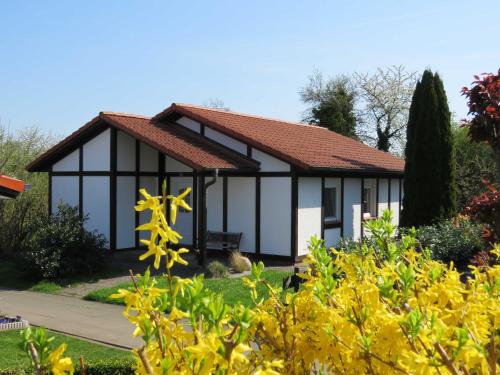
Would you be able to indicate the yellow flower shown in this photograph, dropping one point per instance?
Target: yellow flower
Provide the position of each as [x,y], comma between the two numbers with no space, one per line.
[175,257]
[149,203]
[153,249]
[60,366]
[175,202]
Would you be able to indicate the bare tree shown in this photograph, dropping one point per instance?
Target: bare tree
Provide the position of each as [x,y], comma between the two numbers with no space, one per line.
[385,102]
[216,104]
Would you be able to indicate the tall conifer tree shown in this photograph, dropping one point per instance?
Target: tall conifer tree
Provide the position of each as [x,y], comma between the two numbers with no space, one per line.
[429,185]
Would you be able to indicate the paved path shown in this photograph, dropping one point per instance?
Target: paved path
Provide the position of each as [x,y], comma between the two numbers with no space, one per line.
[90,320]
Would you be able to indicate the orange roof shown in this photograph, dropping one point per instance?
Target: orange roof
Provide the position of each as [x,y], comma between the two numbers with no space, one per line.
[307,146]
[10,187]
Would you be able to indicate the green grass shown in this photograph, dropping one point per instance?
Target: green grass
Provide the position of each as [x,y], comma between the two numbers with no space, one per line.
[13,355]
[232,288]
[14,278]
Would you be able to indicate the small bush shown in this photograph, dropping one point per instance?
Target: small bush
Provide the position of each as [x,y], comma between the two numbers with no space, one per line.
[99,367]
[238,262]
[217,270]
[452,240]
[108,367]
[58,246]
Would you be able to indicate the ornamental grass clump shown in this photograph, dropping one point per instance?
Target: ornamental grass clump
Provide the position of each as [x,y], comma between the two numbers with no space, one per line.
[386,309]
[238,262]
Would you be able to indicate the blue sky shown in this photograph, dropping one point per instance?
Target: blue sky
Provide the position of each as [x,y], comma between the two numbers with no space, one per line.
[62,62]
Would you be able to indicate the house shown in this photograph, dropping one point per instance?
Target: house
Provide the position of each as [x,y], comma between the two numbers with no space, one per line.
[277,182]
[10,187]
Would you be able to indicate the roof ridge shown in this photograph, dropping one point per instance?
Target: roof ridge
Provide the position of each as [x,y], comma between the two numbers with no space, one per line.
[247,115]
[123,114]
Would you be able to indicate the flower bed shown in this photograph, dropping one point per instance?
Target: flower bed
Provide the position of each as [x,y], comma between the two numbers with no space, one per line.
[8,323]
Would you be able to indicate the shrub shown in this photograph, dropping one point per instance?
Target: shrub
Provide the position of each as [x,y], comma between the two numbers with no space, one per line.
[58,246]
[454,241]
[108,367]
[217,270]
[238,262]
[390,311]
[17,149]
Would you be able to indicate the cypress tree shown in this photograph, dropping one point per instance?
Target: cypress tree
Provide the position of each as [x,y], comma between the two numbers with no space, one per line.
[448,185]
[429,190]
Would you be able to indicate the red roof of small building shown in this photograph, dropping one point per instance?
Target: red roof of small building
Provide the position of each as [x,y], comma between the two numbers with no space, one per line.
[10,187]
[307,146]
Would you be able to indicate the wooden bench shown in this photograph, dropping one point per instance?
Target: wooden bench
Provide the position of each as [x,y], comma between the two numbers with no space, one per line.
[223,240]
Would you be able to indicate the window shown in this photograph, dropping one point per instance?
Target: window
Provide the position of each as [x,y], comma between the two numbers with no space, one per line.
[369,202]
[330,203]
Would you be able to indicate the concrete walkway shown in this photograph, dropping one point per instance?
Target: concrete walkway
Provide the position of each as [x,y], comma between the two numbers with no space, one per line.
[90,320]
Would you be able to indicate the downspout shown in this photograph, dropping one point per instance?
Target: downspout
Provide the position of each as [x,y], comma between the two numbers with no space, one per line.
[202,206]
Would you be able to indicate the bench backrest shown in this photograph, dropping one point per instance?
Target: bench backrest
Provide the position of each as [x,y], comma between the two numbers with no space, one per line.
[231,237]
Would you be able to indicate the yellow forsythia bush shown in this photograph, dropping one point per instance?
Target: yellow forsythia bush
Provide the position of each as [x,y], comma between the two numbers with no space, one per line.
[385,309]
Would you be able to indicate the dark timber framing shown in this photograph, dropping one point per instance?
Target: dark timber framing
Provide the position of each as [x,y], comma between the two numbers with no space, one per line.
[197,185]
[399,201]
[137,185]
[377,182]
[323,207]
[389,193]
[362,229]
[342,207]
[224,204]
[295,215]
[198,180]
[112,189]
[80,182]
[257,215]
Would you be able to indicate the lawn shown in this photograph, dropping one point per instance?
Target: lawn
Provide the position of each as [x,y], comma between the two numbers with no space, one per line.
[232,288]
[13,355]
[14,278]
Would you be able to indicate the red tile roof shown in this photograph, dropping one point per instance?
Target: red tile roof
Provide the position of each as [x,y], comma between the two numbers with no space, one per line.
[172,139]
[182,144]
[307,146]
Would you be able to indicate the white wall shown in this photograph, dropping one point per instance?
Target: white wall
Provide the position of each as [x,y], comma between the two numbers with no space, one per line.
[225,140]
[241,210]
[149,158]
[184,224]
[395,200]
[382,195]
[125,151]
[96,153]
[190,124]
[69,163]
[96,203]
[275,215]
[214,205]
[332,237]
[309,215]
[269,163]
[65,189]
[352,208]
[172,165]
[125,213]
